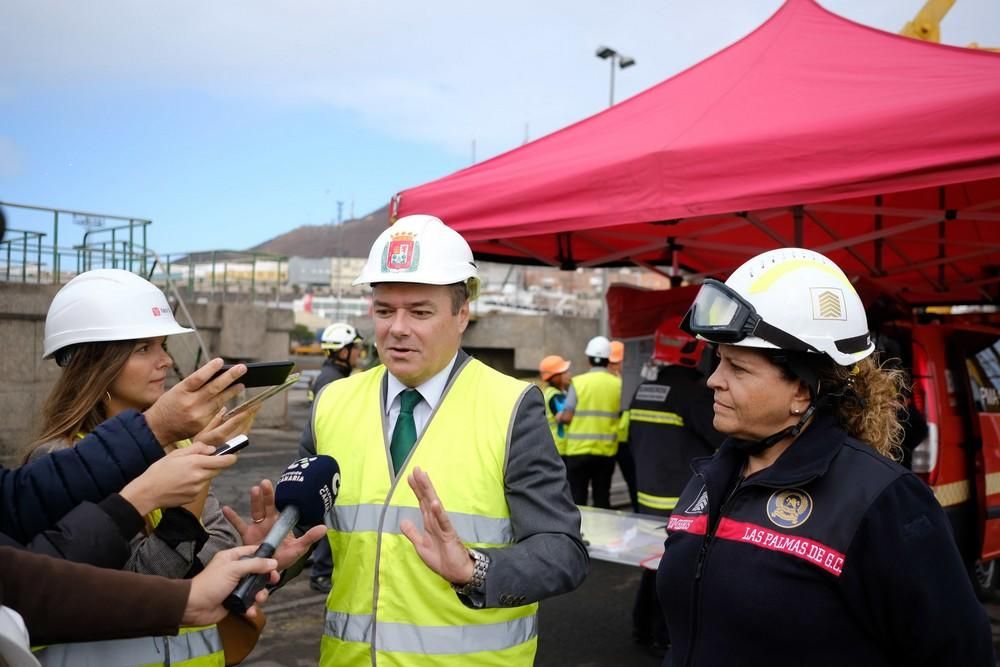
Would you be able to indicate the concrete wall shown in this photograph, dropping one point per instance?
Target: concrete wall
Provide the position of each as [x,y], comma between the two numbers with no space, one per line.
[531,338]
[238,332]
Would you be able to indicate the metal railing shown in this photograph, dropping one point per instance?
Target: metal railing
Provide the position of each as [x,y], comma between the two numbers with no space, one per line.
[218,275]
[17,248]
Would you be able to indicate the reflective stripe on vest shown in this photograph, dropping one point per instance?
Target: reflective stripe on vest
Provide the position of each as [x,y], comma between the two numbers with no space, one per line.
[594,428]
[390,607]
[472,528]
[656,417]
[192,647]
[656,502]
[547,393]
[440,640]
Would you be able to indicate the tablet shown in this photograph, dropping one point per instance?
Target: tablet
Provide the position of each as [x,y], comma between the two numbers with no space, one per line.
[261,373]
[257,399]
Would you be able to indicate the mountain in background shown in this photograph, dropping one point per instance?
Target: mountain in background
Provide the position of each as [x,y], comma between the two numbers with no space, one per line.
[355,237]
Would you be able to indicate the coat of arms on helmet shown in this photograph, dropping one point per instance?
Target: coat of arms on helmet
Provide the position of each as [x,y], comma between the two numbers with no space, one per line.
[402,253]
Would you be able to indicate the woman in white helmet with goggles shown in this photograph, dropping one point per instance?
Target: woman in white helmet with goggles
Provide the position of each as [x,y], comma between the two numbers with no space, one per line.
[801,540]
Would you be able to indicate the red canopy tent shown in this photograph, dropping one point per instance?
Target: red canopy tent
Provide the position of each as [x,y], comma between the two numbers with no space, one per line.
[880,151]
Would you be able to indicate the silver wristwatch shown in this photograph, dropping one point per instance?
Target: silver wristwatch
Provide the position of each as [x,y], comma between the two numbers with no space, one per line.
[480,563]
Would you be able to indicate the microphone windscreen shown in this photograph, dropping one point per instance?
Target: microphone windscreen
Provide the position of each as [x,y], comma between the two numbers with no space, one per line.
[311,485]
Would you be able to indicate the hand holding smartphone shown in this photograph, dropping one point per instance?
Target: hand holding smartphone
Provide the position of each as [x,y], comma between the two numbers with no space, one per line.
[262,396]
[232,445]
[261,373]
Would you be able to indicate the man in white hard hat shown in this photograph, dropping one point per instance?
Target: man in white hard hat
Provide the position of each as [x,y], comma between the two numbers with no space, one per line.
[454,568]
[341,343]
[592,410]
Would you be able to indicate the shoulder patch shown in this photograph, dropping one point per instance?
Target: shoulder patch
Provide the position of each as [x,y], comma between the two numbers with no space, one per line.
[700,504]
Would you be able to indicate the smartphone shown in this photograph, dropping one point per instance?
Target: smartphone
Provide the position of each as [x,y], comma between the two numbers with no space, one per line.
[263,396]
[232,445]
[261,373]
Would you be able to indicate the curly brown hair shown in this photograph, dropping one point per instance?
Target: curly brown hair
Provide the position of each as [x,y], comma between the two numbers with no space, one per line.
[869,398]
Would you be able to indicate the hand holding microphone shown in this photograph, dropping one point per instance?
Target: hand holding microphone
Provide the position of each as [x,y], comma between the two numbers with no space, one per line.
[305,493]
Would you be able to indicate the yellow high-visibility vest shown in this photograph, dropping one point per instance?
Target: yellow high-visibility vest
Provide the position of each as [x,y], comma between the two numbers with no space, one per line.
[548,392]
[594,429]
[386,606]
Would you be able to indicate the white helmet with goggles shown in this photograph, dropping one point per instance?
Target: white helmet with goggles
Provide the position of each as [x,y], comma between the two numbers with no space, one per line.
[787,299]
[338,336]
[421,249]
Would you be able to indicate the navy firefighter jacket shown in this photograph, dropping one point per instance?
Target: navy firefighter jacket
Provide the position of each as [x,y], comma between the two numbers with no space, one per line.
[834,555]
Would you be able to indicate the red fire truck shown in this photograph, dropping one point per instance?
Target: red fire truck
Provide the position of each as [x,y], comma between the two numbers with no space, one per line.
[955,365]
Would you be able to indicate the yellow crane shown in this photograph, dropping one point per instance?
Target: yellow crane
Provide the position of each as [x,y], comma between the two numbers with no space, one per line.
[926,25]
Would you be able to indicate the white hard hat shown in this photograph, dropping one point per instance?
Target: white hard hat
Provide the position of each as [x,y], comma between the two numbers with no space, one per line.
[421,249]
[338,336]
[599,347]
[107,305]
[787,299]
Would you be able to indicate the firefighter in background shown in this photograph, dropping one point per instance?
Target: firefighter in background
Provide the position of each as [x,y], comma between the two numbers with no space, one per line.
[341,343]
[554,372]
[670,423]
[592,410]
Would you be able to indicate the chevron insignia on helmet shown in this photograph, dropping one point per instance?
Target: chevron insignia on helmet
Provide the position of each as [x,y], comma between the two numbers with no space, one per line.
[828,303]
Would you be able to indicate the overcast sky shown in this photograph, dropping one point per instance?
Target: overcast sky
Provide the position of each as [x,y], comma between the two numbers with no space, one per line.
[228,122]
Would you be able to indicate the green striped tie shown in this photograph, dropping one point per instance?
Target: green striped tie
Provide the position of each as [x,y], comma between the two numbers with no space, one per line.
[405,432]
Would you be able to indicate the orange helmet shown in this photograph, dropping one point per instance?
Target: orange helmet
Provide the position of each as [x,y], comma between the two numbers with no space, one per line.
[673,345]
[552,365]
[617,352]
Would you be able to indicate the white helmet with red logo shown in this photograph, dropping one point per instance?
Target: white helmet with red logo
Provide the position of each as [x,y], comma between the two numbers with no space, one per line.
[421,249]
[105,305]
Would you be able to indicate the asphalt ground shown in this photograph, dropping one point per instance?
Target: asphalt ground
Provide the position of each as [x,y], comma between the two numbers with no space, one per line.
[590,627]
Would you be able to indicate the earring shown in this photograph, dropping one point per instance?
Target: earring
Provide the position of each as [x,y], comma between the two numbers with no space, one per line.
[108,394]
[795,411]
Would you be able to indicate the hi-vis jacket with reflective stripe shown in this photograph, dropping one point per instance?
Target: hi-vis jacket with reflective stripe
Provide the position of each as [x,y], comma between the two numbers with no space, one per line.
[594,428]
[833,555]
[386,606]
[192,647]
[548,393]
[670,423]
[196,646]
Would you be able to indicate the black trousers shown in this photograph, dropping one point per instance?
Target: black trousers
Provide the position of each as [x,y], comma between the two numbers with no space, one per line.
[648,622]
[627,465]
[590,472]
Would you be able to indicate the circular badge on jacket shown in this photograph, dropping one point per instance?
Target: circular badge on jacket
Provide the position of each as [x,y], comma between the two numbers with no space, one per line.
[789,508]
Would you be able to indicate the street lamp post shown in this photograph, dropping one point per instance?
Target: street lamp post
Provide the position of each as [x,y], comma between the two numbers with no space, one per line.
[623,61]
[615,58]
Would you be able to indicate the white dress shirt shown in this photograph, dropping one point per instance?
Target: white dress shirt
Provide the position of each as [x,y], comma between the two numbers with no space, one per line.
[430,391]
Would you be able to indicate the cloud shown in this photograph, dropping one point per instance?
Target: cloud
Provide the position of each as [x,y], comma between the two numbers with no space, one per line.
[440,71]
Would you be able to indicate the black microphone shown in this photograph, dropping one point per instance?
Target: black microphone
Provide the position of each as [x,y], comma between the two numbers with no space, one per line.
[305,493]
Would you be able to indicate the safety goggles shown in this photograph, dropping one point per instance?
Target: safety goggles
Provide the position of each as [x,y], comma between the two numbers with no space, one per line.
[720,315]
